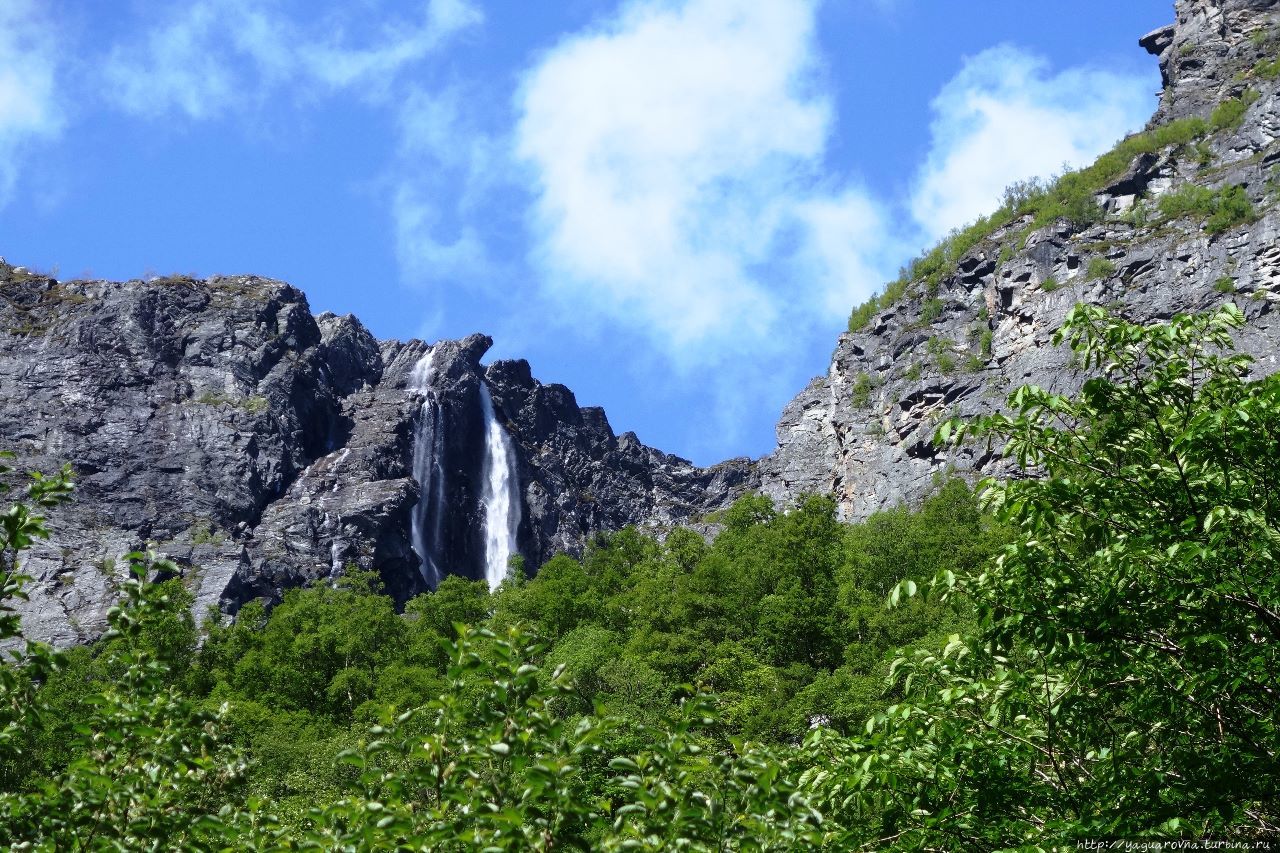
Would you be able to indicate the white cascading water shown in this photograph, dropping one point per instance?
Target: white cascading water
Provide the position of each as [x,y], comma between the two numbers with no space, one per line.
[428,470]
[501,499]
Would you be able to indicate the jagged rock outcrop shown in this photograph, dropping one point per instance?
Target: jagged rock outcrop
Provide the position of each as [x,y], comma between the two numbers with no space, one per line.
[261,447]
[863,430]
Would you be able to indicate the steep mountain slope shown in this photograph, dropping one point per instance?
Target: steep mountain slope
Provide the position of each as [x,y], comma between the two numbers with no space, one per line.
[219,422]
[975,321]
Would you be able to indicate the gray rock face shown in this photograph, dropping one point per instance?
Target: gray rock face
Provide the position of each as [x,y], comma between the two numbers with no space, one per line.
[261,447]
[1202,51]
[863,430]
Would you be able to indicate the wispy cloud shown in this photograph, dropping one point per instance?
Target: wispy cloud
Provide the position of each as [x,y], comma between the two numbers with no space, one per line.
[210,56]
[1007,117]
[29,108]
[445,170]
[677,156]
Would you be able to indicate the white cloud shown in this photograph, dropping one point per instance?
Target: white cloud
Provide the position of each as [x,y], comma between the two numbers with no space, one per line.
[215,55]
[446,169]
[1005,117]
[29,108]
[676,154]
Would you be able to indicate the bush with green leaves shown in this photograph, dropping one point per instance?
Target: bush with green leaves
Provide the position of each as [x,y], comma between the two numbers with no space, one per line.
[863,385]
[1122,678]
[1229,114]
[147,769]
[1221,209]
[29,664]
[1232,208]
[1099,268]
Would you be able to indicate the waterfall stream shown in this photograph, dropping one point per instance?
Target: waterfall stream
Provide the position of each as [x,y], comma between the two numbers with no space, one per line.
[501,498]
[428,469]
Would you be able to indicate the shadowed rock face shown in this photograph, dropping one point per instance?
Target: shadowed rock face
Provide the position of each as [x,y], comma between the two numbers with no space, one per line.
[261,447]
[871,446]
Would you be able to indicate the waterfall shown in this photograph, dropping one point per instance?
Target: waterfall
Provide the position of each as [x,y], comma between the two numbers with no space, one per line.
[427,523]
[501,499]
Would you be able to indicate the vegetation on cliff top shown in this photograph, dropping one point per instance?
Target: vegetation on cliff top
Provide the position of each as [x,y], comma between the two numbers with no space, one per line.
[1069,197]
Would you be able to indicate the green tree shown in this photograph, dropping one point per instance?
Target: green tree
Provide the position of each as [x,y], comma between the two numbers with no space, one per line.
[1123,677]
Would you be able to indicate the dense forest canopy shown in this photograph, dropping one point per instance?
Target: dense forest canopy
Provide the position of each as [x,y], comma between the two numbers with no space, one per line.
[1091,652]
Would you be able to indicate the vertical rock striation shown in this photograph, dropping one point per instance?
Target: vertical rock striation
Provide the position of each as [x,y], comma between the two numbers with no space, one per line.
[262,447]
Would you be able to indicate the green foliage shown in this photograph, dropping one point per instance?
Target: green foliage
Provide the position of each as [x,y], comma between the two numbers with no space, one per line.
[1204,154]
[1267,69]
[1175,133]
[1225,284]
[1230,113]
[1049,285]
[863,313]
[862,388]
[1187,200]
[1098,268]
[913,372]
[1093,652]
[1119,680]
[930,311]
[148,766]
[1232,208]
[207,534]
[1069,197]
[1222,209]
[985,342]
[940,348]
[29,663]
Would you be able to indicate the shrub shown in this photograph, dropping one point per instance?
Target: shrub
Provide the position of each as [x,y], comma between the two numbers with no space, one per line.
[984,343]
[1187,200]
[1229,113]
[1072,199]
[1225,284]
[1267,69]
[1232,207]
[861,315]
[1049,285]
[1204,154]
[940,349]
[930,311]
[1070,196]
[913,372]
[1178,132]
[1099,268]
[1125,634]
[862,387]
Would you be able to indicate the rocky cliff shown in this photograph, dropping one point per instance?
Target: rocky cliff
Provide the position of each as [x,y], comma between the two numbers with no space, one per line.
[262,447]
[957,341]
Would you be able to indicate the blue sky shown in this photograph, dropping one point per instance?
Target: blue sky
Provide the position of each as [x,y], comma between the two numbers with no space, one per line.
[668,205]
